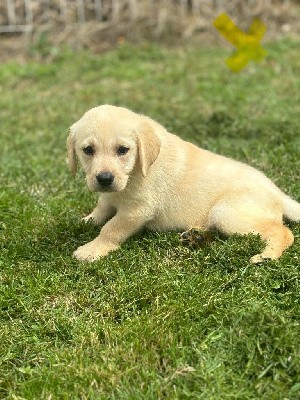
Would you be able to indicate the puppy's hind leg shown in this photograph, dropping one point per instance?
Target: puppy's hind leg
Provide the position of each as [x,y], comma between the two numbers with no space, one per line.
[278,238]
[242,219]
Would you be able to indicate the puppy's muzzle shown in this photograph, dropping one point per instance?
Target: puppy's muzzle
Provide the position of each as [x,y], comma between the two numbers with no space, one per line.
[105,179]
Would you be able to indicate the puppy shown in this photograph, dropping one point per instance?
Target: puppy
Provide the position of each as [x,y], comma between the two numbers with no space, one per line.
[151,178]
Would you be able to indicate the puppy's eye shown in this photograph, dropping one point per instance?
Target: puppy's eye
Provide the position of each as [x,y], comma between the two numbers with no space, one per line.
[88,150]
[122,150]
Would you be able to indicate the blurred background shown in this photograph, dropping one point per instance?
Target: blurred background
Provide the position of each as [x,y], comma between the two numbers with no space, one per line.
[35,28]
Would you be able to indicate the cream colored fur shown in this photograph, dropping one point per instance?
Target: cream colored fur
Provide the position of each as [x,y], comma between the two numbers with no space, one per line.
[165,183]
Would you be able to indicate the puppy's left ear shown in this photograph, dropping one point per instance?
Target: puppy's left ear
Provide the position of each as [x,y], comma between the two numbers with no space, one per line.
[148,146]
[71,155]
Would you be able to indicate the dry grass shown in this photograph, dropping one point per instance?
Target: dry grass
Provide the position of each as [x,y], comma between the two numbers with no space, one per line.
[171,21]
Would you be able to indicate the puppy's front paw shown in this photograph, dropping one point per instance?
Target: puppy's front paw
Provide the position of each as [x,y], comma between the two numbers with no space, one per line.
[86,253]
[89,219]
[260,258]
[93,251]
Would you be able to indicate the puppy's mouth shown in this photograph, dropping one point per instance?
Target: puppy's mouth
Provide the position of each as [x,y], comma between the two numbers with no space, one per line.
[106,189]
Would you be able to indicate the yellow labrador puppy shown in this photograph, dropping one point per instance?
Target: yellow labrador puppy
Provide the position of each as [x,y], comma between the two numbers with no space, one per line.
[151,178]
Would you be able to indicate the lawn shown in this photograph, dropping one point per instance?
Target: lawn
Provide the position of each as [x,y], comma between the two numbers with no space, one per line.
[154,320]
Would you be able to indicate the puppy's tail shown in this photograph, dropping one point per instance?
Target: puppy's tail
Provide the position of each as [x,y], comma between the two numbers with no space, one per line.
[291,209]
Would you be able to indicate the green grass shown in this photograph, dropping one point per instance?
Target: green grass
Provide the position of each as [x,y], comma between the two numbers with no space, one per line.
[154,320]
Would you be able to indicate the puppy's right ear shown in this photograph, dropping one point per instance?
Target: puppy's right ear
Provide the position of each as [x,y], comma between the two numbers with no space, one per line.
[71,155]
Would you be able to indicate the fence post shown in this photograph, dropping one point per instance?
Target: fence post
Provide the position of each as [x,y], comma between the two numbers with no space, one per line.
[98,10]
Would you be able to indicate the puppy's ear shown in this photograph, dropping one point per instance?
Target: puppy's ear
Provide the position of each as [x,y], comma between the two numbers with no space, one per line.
[71,155]
[149,147]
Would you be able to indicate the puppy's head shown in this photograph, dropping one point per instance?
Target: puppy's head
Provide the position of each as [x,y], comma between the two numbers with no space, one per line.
[112,144]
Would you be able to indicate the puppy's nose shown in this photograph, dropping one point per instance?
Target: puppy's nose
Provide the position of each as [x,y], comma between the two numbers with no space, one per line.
[105,179]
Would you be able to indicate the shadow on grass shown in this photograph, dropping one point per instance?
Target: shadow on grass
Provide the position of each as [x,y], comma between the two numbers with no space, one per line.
[221,124]
[55,241]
